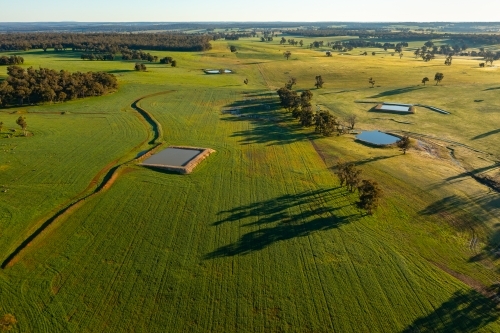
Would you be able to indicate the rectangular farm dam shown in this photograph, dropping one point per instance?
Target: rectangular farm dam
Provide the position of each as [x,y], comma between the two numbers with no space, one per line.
[173,156]
[178,159]
[393,107]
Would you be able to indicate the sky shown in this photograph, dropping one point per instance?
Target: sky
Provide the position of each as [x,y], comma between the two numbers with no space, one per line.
[254,10]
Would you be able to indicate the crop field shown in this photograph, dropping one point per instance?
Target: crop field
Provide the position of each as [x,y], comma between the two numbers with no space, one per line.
[260,237]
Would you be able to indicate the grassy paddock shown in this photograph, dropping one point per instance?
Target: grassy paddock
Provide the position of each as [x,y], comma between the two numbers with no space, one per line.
[260,237]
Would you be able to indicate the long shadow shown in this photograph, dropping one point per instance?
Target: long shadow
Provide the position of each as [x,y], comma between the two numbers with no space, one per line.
[459,211]
[396,91]
[273,207]
[473,173]
[262,238]
[488,89]
[276,221]
[61,54]
[480,136]
[269,132]
[470,215]
[372,159]
[463,312]
[120,71]
[262,112]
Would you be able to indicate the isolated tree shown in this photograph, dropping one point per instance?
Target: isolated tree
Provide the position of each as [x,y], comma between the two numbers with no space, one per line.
[481,64]
[291,82]
[373,53]
[425,79]
[1,126]
[301,43]
[351,120]
[245,81]
[325,122]
[7,321]
[352,175]
[328,53]
[417,53]
[232,48]
[21,121]
[319,82]
[173,63]
[371,81]
[404,144]
[438,77]
[341,172]
[400,55]
[369,195]
[287,54]
[448,60]
[140,67]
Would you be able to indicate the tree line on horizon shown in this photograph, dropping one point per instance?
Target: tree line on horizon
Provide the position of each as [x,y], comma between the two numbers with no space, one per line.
[104,42]
[47,85]
[386,34]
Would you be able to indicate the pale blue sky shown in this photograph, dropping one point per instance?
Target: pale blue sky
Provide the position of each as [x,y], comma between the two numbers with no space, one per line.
[254,10]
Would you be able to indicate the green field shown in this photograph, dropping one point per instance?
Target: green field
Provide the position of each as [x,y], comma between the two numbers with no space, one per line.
[261,237]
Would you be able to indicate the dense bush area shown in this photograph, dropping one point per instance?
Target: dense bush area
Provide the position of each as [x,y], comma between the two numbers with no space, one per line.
[12,60]
[47,85]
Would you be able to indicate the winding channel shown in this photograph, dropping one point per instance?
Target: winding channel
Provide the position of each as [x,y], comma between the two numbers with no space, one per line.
[110,172]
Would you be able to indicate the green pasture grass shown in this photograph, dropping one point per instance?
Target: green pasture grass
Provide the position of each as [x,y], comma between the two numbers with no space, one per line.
[41,172]
[260,237]
[223,244]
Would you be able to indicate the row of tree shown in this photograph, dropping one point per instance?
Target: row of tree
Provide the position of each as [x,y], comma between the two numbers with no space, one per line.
[428,50]
[97,56]
[404,35]
[12,60]
[128,54]
[105,42]
[300,106]
[47,85]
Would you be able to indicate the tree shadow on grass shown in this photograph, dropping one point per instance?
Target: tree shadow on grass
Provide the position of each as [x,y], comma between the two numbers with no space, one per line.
[473,173]
[264,237]
[460,212]
[494,88]
[463,312]
[372,159]
[262,109]
[396,91]
[281,219]
[116,71]
[275,208]
[480,136]
[268,131]
[476,216]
